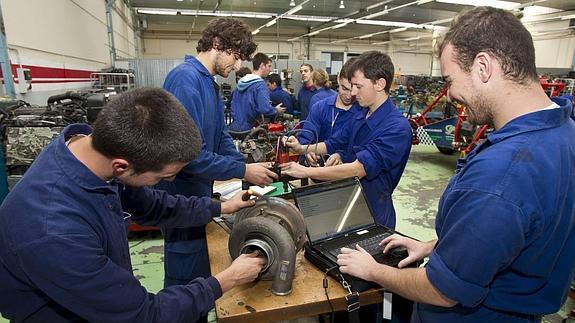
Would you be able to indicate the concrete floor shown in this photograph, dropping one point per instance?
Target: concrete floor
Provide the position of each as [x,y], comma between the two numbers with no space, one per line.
[415,200]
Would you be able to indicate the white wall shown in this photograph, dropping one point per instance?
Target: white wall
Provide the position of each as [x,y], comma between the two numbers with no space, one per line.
[63,41]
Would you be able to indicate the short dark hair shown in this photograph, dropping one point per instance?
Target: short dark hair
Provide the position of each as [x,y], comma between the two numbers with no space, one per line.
[243,71]
[275,79]
[497,32]
[149,128]
[375,65]
[347,69]
[260,58]
[230,35]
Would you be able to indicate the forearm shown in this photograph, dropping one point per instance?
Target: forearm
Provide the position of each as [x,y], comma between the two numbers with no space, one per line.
[318,148]
[354,169]
[411,283]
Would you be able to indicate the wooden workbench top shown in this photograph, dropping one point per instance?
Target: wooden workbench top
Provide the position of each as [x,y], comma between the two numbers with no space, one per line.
[256,303]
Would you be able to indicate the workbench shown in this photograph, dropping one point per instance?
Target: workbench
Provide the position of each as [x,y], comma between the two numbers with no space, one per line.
[255,302]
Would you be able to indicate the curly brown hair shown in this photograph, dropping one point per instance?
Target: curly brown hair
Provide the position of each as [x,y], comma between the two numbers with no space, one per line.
[230,35]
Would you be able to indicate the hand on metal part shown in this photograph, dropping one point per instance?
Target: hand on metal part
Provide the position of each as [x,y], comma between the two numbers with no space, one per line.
[312,158]
[356,262]
[294,169]
[238,202]
[293,144]
[258,174]
[280,109]
[333,160]
[244,269]
[416,249]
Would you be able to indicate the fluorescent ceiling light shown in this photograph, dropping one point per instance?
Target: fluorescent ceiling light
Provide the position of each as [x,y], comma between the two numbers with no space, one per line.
[343,24]
[382,42]
[294,10]
[567,17]
[158,12]
[270,23]
[255,31]
[308,18]
[292,3]
[398,30]
[507,5]
[420,2]
[341,5]
[314,33]
[339,41]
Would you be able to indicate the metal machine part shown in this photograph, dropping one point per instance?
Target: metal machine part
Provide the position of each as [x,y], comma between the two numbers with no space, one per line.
[274,228]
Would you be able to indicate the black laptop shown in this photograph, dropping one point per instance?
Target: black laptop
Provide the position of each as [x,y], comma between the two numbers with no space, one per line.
[338,215]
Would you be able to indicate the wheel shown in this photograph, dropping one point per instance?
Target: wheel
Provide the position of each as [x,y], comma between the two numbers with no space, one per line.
[445,150]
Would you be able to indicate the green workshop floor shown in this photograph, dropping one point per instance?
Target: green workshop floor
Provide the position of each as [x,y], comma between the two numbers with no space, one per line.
[415,200]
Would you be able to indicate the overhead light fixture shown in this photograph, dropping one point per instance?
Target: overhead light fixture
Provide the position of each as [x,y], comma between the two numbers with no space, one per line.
[343,24]
[270,23]
[568,17]
[293,10]
[314,33]
[341,5]
[255,31]
[292,3]
[398,30]
[507,5]
[420,2]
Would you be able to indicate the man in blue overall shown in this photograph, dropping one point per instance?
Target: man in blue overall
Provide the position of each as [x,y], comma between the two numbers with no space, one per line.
[252,98]
[306,91]
[374,147]
[221,48]
[328,118]
[64,253]
[278,94]
[506,221]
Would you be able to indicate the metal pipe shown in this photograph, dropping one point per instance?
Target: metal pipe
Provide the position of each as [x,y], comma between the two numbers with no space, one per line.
[5,61]
[109,10]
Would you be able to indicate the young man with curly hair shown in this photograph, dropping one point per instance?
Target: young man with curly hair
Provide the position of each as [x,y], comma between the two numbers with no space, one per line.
[224,43]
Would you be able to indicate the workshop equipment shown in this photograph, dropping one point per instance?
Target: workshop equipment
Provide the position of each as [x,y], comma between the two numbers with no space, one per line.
[273,228]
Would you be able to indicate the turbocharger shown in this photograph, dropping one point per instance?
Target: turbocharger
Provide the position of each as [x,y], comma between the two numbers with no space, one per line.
[274,228]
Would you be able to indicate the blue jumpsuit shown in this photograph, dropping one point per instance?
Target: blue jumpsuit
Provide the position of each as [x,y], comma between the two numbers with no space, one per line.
[381,143]
[303,98]
[506,225]
[64,249]
[278,95]
[319,95]
[185,249]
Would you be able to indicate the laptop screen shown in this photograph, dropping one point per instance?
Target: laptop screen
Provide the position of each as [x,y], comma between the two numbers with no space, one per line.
[333,207]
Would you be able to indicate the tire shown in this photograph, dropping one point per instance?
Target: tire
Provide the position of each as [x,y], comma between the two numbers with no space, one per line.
[446,151]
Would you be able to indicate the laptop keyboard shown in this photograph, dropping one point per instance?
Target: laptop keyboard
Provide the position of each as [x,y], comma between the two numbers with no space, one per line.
[371,245]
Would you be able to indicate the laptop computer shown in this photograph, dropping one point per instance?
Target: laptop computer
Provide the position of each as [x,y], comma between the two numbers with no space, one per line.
[338,215]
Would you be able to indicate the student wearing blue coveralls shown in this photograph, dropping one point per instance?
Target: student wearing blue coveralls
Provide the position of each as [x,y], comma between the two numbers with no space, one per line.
[64,253]
[252,98]
[322,85]
[306,91]
[243,71]
[192,82]
[329,117]
[506,221]
[278,94]
[376,144]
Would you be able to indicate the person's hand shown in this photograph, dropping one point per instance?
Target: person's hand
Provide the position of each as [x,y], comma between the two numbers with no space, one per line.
[312,158]
[244,269]
[258,174]
[294,169]
[356,262]
[236,202]
[416,250]
[293,144]
[280,109]
[333,160]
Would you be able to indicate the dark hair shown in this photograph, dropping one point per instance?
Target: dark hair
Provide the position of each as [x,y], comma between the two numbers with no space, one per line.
[243,71]
[149,128]
[228,34]
[497,32]
[260,58]
[308,65]
[321,78]
[274,78]
[375,65]
[347,69]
